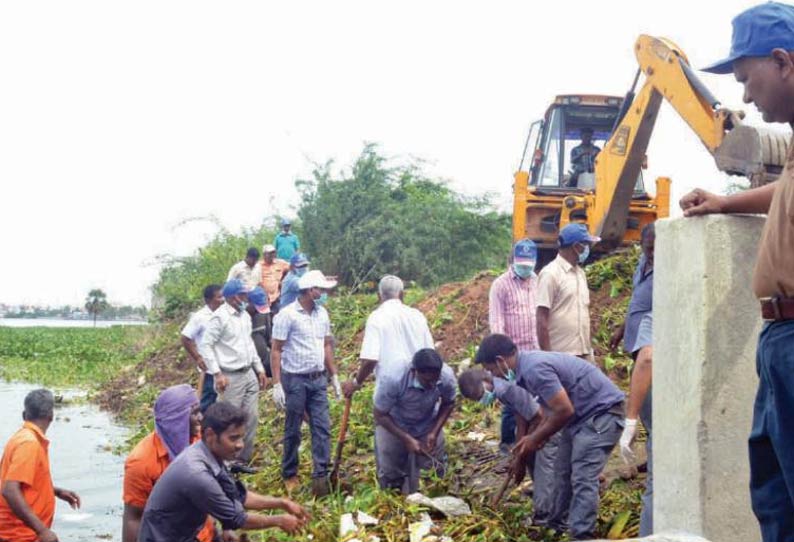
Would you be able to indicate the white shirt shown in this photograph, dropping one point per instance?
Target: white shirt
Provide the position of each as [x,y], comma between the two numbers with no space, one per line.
[393,334]
[304,335]
[251,276]
[227,344]
[194,329]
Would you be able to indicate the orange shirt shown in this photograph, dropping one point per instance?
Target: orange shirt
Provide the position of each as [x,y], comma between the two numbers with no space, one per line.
[271,277]
[143,467]
[26,460]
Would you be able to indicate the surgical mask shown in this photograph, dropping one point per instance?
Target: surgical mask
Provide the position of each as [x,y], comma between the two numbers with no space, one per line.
[416,384]
[300,271]
[523,270]
[243,306]
[509,374]
[487,398]
[322,300]
[584,254]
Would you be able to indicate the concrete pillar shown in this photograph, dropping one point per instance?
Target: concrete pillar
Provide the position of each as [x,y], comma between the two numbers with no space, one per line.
[706,324]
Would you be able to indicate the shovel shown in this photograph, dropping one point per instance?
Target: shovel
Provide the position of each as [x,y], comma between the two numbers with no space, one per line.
[340,443]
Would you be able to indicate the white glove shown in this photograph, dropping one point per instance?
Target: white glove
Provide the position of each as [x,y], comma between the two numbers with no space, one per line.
[337,387]
[625,441]
[278,396]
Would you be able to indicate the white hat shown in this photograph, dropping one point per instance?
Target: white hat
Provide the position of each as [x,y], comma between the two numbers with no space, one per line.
[315,279]
[268,248]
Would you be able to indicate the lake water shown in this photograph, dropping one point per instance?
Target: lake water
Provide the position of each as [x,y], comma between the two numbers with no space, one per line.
[81,438]
[57,322]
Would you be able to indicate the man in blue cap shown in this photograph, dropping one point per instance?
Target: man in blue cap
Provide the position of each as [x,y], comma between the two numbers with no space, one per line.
[287,243]
[511,311]
[298,265]
[230,355]
[762,59]
[563,314]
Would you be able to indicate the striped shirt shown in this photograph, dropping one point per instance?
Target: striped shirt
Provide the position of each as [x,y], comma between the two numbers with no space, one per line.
[304,335]
[511,309]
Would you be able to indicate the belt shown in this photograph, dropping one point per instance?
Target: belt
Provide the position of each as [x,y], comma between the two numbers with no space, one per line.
[618,408]
[307,376]
[234,371]
[777,308]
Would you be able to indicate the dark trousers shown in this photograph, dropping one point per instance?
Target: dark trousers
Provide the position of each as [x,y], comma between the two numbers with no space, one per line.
[508,425]
[208,395]
[306,395]
[771,443]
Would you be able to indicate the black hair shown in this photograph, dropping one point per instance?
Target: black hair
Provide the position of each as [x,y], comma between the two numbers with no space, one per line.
[39,405]
[252,253]
[210,291]
[427,360]
[470,383]
[647,232]
[493,346]
[221,416]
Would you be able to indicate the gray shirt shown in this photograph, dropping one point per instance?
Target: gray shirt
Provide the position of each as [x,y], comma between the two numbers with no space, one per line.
[516,398]
[544,374]
[413,408]
[192,487]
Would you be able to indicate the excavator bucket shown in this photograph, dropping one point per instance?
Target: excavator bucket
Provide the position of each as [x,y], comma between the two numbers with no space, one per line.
[756,153]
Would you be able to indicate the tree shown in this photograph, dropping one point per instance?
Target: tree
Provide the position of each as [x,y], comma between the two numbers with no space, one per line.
[96,302]
[380,219]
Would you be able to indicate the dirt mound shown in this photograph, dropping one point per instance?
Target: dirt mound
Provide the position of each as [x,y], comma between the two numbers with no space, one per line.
[164,367]
[458,315]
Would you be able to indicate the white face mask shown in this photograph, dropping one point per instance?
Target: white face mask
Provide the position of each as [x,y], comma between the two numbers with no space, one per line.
[584,254]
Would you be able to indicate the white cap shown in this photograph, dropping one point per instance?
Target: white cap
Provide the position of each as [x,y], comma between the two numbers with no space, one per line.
[315,279]
[268,248]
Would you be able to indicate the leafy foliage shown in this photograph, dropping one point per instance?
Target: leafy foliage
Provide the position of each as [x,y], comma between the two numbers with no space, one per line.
[383,218]
[96,302]
[180,286]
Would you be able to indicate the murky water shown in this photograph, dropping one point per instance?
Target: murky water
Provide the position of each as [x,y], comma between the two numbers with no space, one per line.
[81,438]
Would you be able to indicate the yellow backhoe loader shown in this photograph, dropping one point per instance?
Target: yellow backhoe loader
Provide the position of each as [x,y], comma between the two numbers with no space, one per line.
[583,161]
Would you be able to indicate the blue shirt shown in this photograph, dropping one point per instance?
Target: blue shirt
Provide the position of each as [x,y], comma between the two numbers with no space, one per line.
[641,303]
[516,397]
[544,374]
[286,245]
[194,485]
[289,289]
[413,408]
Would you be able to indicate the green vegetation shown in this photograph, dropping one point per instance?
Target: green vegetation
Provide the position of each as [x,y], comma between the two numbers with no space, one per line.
[69,356]
[381,218]
[96,302]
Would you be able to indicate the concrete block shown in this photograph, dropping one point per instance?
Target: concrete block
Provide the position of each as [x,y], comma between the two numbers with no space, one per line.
[706,325]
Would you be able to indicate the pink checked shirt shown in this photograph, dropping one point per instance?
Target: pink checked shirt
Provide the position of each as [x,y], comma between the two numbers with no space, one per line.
[511,309]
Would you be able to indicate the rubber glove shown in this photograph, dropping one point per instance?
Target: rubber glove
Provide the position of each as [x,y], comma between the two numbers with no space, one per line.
[278,396]
[337,387]
[625,441]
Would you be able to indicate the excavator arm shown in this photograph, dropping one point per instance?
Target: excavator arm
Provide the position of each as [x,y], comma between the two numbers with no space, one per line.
[737,148]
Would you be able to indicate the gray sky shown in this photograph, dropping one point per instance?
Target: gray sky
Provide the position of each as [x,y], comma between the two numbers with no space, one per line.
[119,120]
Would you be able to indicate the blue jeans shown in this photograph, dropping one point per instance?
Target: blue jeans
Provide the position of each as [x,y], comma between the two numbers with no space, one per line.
[508,425]
[306,395]
[208,395]
[772,436]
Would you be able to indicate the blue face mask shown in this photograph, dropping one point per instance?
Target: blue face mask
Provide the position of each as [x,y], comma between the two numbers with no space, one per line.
[487,398]
[523,270]
[509,374]
[322,300]
[300,271]
[584,254]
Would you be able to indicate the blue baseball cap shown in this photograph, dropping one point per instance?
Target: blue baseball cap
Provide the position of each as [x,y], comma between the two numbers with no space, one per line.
[756,32]
[233,287]
[299,259]
[285,222]
[258,298]
[525,252]
[576,233]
